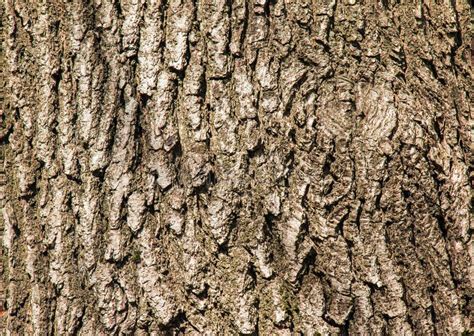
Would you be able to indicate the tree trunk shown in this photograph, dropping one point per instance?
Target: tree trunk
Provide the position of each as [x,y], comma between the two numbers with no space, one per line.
[271,167]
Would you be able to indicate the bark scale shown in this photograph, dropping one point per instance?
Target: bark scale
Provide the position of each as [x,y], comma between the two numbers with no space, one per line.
[222,167]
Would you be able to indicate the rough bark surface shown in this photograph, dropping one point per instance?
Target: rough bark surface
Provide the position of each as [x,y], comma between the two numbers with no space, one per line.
[213,167]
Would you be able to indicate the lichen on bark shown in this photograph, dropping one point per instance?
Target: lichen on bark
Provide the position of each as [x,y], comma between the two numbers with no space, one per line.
[268,167]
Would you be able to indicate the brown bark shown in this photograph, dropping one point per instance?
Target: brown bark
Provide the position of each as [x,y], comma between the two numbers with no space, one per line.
[270,167]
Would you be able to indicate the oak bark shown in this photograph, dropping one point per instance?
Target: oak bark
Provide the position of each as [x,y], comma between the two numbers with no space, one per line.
[271,167]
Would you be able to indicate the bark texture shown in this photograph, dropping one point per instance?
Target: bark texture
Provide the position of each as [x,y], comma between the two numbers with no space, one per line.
[213,167]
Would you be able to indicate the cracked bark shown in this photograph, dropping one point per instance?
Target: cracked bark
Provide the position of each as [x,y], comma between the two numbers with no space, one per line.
[223,167]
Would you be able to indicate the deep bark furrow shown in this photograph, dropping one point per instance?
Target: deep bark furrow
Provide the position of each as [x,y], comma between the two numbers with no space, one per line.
[225,167]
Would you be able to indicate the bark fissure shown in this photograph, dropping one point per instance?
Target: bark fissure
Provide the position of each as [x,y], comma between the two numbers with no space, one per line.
[235,167]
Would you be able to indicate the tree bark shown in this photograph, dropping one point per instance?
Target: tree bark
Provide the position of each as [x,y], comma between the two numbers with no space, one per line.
[270,167]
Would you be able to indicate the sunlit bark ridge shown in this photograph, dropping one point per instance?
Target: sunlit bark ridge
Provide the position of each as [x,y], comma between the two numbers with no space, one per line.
[270,167]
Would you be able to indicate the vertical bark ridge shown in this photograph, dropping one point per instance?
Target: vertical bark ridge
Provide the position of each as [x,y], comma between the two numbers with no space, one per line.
[224,167]
[5,123]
